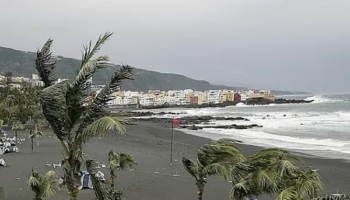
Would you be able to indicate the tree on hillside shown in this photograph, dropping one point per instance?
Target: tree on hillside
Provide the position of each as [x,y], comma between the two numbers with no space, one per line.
[65,106]
[273,171]
[8,76]
[119,160]
[43,186]
[213,158]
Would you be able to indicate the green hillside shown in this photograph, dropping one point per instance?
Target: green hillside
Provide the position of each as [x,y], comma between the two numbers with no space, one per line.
[21,63]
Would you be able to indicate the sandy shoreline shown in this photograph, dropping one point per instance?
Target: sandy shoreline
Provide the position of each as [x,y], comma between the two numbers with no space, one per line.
[150,145]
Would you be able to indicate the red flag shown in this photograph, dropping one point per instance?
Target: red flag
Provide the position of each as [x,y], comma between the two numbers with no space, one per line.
[176,122]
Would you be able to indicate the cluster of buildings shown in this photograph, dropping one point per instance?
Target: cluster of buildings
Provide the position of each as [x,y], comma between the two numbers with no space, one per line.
[159,98]
[185,97]
[17,82]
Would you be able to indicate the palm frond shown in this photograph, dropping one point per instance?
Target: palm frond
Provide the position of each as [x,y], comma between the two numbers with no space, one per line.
[33,182]
[97,108]
[114,160]
[308,183]
[124,73]
[191,167]
[126,160]
[288,194]
[240,190]
[285,167]
[45,64]
[217,169]
[49,175]
[263,180]
[43,186]
[240,170]
[275,153]
[53,101]
[50,188]
[120,160]
[215,153]
[100,127]
[89,51]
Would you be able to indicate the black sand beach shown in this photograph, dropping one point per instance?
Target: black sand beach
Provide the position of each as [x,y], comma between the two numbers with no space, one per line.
[149,143]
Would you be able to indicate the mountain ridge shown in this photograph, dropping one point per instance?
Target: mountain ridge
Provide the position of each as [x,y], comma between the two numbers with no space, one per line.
[21,63]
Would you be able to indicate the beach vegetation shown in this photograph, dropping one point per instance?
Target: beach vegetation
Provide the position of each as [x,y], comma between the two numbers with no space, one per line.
[275,172]
[43,186]
[19,105]
[119,161]
[72,115]
[101,192]
[214,158]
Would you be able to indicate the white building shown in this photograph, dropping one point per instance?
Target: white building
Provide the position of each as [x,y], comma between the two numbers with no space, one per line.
[123,101]
[213,96]
[244,97]
[147,100]
[37,83]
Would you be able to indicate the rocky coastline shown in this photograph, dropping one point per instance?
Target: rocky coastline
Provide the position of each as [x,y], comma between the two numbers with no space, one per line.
[188,122]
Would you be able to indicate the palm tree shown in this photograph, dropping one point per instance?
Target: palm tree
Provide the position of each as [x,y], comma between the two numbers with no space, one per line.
[298,185]
[273,171]
[119,160]
[101,192]
[36,134]
[16,127]
[213,158]
[43,186]
[65,106]
[2,193]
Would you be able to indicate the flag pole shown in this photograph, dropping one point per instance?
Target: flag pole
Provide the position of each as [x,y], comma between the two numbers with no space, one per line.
[172,142]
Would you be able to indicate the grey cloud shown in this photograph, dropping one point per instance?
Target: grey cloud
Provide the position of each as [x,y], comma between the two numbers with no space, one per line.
[294,45]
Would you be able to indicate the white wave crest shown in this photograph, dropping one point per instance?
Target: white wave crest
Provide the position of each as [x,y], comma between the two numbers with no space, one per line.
[322,99]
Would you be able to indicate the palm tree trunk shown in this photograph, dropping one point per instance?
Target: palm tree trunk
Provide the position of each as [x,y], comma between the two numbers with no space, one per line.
[31,138]
[37,198]
[16,137]
[112,178]
[200,189]
[72,177]
[74,194]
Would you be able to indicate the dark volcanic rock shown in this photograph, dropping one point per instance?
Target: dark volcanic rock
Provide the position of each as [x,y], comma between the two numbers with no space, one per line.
[264,101]
[189,120]
[233,126]
[148,113]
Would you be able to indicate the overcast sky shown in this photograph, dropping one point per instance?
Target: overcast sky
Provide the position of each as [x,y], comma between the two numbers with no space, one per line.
[279,44]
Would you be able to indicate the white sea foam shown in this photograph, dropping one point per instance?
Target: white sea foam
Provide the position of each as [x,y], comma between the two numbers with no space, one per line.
[323,99]
[320,128]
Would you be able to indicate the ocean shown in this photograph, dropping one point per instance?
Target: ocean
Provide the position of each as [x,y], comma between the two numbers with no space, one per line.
[321,128]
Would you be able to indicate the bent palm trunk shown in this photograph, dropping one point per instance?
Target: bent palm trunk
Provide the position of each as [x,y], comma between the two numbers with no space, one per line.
[200,189]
